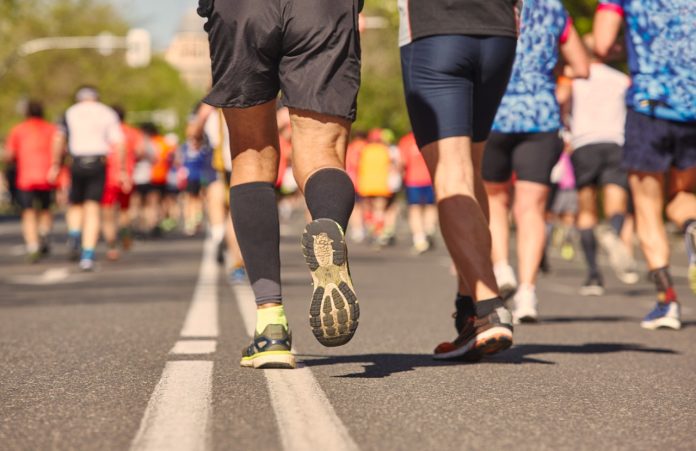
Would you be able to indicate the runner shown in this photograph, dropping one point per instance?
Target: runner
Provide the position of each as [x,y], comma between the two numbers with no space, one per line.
[356,223]
[197,159]
[116,224]
[422,211]
[90,130]
[315,61]
[373,183]
[660,131]
[456,59]
[526,140]
[29,146]
[598,116]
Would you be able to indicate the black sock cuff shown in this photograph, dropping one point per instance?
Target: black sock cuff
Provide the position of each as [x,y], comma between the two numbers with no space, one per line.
[486,307]
[465,304]
[662,278]
[251,186]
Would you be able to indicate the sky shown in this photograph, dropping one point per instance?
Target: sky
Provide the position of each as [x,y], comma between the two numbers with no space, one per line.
[160,17]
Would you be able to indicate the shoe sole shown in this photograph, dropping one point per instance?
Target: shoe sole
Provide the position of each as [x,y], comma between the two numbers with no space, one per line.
[591,291]
[527,319]
[490,342]
[662,323]
[270,360]
[334,309]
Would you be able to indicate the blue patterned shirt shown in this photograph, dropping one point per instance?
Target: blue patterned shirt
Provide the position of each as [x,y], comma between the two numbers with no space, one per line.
[661,44]
[530,104]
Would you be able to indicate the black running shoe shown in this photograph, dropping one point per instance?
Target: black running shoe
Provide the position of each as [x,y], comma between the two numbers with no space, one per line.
[593,286]
[334,310]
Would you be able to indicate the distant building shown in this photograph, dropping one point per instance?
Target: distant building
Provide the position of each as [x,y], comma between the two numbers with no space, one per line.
[189,52]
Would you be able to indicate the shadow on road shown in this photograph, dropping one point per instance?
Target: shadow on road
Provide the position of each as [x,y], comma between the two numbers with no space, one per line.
[384,365]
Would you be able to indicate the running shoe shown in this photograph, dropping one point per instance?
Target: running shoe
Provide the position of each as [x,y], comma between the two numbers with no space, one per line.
[665,315]
[270,349]
[593,286]
[525,307]
[237,276]
[45,246]
[126,239]
[507,282]
[334,309]
[690,238]
[619,259]
[113,254]
[220,253]
[479,337]
[567,251]
[33,257]
[86,265]
[420,247]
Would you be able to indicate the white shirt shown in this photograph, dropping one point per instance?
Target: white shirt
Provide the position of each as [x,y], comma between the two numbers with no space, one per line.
[92,129]
[599,107]
[216,129]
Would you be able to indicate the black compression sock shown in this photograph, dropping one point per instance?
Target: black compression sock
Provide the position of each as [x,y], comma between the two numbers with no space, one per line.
[486,307]
[617,222]
[255,218]
[589,248]
[330,193]
[465,309]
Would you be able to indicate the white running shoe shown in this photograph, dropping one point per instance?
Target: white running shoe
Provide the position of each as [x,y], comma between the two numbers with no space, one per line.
[619,259]
[525,310]
[507,282]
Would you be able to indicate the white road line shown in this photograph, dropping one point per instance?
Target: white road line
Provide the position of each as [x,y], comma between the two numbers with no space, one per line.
[202,317]
[178,414]
[305,417]
[193,347]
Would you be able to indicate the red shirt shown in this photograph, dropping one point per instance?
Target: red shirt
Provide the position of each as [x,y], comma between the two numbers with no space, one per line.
[29,144]
[416,171]
[133,140]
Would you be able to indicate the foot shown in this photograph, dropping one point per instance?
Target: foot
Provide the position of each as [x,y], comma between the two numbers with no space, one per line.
[420,247]
[507,282]
[619,259]
[479,337]
[525,307]
[113,254]
[663,316]
[270,349]
[86,265]
[334,310]
[45,247]
[593,286]
[33,257]
[220,253]
[237,276]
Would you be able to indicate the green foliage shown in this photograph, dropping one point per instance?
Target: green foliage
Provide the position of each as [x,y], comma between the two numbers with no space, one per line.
[53,76]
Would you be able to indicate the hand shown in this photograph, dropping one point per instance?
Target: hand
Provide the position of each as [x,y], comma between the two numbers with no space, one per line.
[52,174]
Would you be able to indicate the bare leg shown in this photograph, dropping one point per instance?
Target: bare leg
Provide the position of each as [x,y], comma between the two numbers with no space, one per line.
[109,228]
[682,206]
[45,222]
[90,232]
[648,198]
[499,201]
[529,208]
[30,230]
[451,162]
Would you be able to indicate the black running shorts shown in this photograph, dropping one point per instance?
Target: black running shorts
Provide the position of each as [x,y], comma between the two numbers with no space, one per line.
[531,155]
[35,198]
[599,164]
[307,49]
[454,84]
[88,176]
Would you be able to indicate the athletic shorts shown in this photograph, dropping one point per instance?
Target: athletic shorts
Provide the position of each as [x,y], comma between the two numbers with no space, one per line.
[598,165]
[565,201]
[656,145]
[530,155]
[193,187]
[308,49]
[88,175]
[420,195]
[114,195]
[142,189]
[454,84]
[31,198]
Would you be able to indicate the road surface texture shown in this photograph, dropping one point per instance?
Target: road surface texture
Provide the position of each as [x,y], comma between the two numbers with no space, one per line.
[143,354]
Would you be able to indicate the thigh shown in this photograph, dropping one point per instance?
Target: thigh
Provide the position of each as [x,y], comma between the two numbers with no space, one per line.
[587,165]
[78,181]
[536,155]
[319,69]
[44,198]
[496,58]
[497,158]
[94,184]
[25,199]
[439,74]
[245,39]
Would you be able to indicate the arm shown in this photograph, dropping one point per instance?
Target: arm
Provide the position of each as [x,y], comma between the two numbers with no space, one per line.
[574,53]
[607,24]
[194,128]
[58,150]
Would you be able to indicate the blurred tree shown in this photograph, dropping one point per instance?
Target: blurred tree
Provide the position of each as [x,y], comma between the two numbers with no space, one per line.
[53,76]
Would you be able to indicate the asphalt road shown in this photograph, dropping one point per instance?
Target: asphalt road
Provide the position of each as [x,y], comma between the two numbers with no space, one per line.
[88,361]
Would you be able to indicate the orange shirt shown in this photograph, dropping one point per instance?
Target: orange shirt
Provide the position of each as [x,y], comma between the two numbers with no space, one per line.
[133,140]
[373,171]
[163,160]
[415,170]
[29,144]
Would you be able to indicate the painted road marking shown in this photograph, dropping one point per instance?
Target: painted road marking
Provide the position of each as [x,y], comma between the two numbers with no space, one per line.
[49,277]
[178,414]
[192,347]
[305,417]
